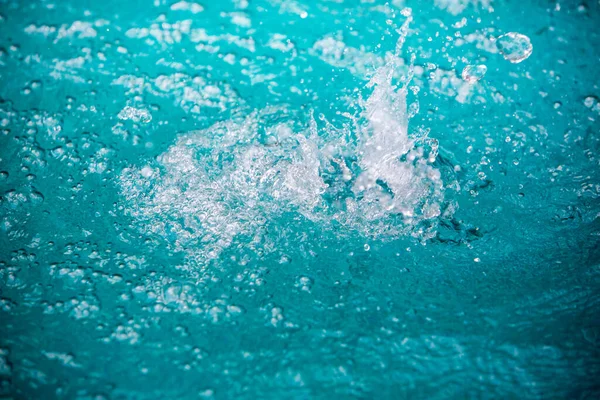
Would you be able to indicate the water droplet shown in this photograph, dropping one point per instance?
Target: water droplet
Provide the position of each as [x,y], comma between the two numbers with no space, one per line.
[473,73]
[515,47]
[367,247]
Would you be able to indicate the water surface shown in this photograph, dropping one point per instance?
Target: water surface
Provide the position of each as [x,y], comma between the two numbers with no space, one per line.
[299,199]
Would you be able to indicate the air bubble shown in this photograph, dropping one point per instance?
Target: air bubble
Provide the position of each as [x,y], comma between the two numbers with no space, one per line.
[473,73]
[514,47]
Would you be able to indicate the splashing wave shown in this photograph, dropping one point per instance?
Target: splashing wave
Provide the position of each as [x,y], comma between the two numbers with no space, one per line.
[240,178]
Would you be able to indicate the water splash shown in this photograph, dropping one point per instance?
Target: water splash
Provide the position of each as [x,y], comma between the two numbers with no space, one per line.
[241,178]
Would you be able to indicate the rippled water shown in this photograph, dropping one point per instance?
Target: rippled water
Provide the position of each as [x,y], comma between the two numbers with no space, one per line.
[299,199]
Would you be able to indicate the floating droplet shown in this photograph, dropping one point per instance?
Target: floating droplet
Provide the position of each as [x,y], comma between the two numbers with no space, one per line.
[473,73]
[515,47]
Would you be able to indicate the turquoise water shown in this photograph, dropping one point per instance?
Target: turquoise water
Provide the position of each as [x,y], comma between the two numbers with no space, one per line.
[299,199]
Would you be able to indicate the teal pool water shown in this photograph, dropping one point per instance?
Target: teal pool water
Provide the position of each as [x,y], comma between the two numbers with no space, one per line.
[299,199]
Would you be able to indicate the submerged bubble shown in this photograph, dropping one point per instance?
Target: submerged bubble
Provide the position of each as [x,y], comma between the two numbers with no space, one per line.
[515,47]
[473,73]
